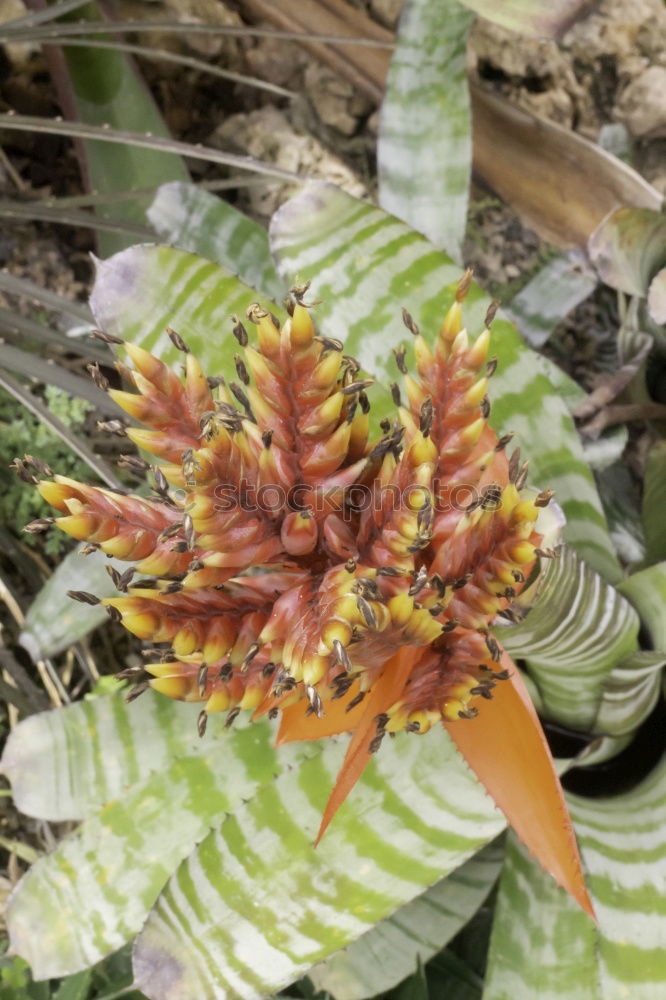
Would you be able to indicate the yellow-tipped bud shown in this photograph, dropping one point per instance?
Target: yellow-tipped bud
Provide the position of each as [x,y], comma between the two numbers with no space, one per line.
[219,701]
[302,328]
[471,434]
[252,697]
[522,553]
[478,352]
[298,533]
[475,394]
[323,416]
[314,669]
[172,687]
[186,640]
[524,511]
[143,626]
[401,608]
[137,406]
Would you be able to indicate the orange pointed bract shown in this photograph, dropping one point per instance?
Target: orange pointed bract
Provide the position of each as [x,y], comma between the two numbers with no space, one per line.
[290,564]
[508,752]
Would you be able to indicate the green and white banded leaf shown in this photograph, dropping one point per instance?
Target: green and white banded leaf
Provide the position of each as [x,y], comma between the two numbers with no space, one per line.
[424,152]
[65,764]
[646,590]
[54,621]
[654,504]
[193,219]
[630,692]
[542,945]
[390,951]
[141,291]
[93,892]
[657,297]
[578,630]
[366,265]
[280,906]
[557,288]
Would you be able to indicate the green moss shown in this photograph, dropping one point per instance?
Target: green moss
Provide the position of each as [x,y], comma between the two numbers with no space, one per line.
[21,433]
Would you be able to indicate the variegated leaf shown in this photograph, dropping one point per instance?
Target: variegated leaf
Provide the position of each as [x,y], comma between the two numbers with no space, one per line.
[190,218]
[67,763]
[424,153]
[141,291]
[365,265]
[654,503]
[543,946]
[630,692]
[280,906]
[579,629]
[646,590]
[390,951]
[93,892]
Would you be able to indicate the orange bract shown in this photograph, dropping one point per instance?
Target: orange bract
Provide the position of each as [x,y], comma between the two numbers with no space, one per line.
[295,565]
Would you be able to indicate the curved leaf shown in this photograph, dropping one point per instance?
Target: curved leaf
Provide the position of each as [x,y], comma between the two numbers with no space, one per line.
[647,592]
[54,621]
[628,248]
[657,297]
[93,892]
[279,905]
[557,288]
[192,219]
[424,153]
[630,693]
[390,951]
[542,945]
[64,764]
[141,291]
[365,266]
[103,88]
[654,503]
[579,629]
[507,740]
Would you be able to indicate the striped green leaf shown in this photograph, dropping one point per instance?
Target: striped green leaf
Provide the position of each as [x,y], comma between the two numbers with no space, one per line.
[543,946]
[141,291]
[190,218]
[93,893]
[365,265]
[67,763]
[647,592]
[630,692]
[424,153]
[561,284]
[390,951]
[654,504]
[255,906]
[579,629]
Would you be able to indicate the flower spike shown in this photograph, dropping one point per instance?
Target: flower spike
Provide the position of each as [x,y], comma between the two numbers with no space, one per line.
[291,564]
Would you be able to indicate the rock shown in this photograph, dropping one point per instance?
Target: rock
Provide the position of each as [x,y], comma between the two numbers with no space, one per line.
[267,135]
[336,101]
[642,104]
[386,11]
[514,55]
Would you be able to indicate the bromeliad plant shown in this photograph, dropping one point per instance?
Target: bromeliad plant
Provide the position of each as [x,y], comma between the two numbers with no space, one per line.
[236,901]
[296,566]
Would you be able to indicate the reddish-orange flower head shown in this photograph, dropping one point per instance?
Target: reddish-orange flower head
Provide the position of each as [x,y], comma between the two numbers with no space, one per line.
[288,558]
[289,564]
